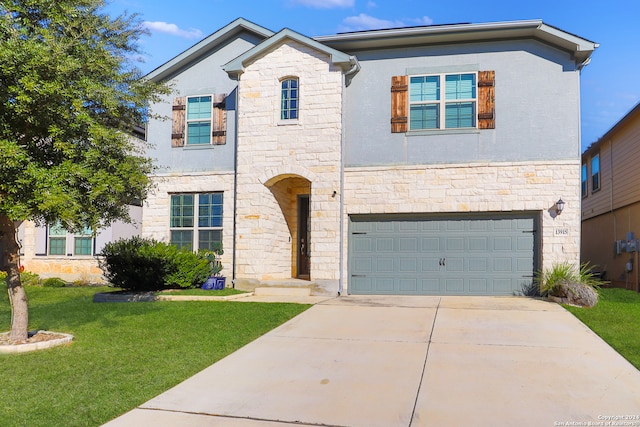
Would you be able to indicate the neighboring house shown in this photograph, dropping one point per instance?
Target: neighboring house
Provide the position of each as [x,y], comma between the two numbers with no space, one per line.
[611,202]
[50,251]
[423,160]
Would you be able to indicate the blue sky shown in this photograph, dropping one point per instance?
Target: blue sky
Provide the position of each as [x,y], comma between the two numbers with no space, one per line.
[610,84]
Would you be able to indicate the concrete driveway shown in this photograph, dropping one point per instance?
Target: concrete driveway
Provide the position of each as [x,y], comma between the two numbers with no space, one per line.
[411,361]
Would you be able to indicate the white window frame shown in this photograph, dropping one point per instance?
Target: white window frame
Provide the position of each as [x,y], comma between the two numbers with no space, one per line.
[198,120]
[70,241]
[442,101]
[281,108]
[597,174]
[195,228]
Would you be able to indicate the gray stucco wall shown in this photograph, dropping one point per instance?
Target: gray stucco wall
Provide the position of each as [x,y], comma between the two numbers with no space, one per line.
[202,77]
[537,99]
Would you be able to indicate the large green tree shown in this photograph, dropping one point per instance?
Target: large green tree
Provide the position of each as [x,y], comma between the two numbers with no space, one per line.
[70,93]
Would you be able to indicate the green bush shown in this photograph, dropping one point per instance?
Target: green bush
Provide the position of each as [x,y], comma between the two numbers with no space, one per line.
[54,282]
[148,265]
[26,278]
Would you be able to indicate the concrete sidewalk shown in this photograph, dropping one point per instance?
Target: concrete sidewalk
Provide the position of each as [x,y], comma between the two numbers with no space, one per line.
[410,361]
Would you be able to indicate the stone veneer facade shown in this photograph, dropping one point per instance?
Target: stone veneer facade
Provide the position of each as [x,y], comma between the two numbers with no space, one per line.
[157,208]
[532,187]
[276,157]
[83,269]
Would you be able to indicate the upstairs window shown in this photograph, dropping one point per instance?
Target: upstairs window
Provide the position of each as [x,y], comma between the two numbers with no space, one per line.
[445,101]
[289,100]
[595,172]
[198,120]
[584,180]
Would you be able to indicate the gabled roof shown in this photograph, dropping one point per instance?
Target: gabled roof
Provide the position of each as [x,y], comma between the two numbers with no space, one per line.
[206,45]
[462,33]
[237,65]
[633,114]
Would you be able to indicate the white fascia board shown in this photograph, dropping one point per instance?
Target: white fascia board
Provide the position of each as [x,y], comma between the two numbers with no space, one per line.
[236,66]
[207,43]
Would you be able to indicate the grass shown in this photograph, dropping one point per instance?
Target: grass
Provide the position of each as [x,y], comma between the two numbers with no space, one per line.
[123,354]
[616,319]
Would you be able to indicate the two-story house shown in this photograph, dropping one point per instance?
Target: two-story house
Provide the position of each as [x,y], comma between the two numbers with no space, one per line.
[611,202]
[424,160]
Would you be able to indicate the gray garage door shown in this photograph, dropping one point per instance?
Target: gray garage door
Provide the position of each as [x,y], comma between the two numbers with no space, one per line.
[478,255]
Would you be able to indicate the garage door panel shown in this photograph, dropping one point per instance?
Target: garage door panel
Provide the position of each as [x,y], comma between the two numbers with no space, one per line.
[479,286]
[363,245]
[430,265]
[478,265]
[384,284]
[408,265]
[455,286]
[455,244]
[502,264]
[363,265]
[384,265]
[430,244]
[501,243]
[480,244]
[384,244]
[408,285]
[454,264]
[502,286]
[486,255]
[408,244]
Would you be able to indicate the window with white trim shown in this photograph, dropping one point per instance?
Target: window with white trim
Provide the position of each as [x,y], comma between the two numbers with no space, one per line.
[57,242]
[442,101]
[199,120]
[595,173]
[196,220]
[289,99]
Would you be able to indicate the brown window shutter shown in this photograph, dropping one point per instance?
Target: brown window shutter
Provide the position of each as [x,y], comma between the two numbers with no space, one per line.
[399,104]
[486,99]
[177,126]
[219,123]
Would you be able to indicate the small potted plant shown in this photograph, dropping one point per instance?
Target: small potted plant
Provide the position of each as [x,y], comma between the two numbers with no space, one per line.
[215,280]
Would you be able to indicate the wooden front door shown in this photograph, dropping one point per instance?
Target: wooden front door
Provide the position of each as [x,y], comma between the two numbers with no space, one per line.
[304,236]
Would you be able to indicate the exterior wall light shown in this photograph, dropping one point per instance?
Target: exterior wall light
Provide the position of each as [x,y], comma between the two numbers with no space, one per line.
[559,206]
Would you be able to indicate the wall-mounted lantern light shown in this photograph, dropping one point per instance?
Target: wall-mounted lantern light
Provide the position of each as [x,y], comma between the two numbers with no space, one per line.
[559,206]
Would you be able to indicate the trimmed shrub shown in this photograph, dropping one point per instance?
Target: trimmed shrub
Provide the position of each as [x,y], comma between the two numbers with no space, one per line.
[54,282]
[148,265]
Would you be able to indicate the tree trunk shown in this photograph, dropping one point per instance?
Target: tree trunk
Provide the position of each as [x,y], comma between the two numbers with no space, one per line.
[10,262]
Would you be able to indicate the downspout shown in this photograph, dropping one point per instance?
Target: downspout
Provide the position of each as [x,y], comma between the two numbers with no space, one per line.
[235,183]
[355,67]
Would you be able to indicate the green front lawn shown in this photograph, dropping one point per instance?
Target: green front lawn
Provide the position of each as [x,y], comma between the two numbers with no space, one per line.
[616,319]
[123,354]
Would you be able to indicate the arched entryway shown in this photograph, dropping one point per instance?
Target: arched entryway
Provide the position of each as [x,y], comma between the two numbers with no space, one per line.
[293,194]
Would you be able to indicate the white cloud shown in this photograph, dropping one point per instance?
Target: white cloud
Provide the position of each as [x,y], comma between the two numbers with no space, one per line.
[366,22]
[425,20]
[173,29]
[325,4]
